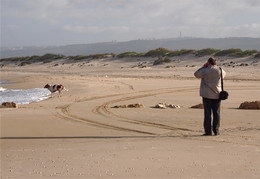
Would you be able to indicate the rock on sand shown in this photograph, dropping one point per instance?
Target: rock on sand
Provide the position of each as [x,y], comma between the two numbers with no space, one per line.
[250,105]
[9,105]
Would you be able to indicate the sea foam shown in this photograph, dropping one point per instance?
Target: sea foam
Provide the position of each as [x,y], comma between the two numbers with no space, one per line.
[23,96]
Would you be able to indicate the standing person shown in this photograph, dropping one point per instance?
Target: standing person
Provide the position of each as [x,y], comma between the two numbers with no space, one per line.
[210,87]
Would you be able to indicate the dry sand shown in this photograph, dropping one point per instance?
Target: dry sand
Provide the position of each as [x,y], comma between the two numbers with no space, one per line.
[80,135]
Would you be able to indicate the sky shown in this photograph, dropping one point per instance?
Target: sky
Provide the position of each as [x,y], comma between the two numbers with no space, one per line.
[64,22]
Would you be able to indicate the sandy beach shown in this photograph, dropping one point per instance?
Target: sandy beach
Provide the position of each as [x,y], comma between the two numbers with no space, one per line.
[82,135]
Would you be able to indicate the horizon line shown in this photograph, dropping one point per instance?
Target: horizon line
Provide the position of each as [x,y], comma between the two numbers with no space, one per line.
[116,41]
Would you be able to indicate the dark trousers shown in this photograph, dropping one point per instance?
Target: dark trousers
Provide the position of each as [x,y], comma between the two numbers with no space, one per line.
[211,106]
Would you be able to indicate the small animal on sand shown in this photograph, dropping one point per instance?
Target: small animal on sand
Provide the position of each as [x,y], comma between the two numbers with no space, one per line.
[55,88]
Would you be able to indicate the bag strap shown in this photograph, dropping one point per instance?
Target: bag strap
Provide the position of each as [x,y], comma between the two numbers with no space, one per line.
[222,83]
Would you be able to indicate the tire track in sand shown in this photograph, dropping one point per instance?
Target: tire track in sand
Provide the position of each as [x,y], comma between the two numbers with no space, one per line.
[65,113]
[104,108]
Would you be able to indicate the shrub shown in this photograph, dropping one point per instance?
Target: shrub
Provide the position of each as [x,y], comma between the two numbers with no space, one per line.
[206,51]
[50,56]
[246,53]
[180,52]
[129,54]
[33,58]
[14,59]
[228,52]
[157,52]
[102,55]
[79,57]
[47,58]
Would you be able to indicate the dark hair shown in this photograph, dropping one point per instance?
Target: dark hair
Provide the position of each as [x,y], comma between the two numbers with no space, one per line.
[212,61]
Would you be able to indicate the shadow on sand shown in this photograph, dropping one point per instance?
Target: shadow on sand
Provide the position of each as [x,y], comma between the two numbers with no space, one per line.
[98,137]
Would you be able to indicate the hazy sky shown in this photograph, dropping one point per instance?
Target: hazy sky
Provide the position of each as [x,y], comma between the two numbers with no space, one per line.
[62,22]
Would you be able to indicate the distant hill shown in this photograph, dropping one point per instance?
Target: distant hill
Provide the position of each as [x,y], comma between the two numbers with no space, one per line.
[244,43]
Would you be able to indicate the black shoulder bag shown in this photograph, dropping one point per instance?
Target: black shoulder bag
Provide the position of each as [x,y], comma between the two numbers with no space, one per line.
[223,95]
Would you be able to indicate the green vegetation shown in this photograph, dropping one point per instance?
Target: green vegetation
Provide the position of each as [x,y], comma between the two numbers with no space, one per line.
[236,53]
[228,52]
[181,52]
[45,58]
[159,52]
[246,53]
[129,54]
[102,55]
[162,54]
[78,57]
[205,52]
[14,59]
[49,57]
[95,56]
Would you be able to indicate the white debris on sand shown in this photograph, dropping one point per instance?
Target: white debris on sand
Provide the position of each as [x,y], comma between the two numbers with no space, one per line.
[165,105]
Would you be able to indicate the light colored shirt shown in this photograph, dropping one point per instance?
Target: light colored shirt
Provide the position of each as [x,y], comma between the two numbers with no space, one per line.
[210,84]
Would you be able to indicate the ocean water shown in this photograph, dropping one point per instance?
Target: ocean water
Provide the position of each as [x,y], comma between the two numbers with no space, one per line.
[22,96]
